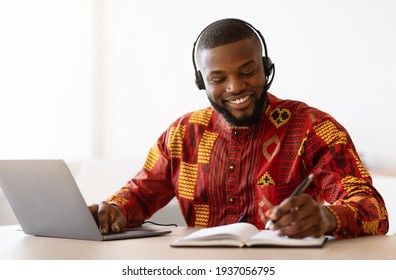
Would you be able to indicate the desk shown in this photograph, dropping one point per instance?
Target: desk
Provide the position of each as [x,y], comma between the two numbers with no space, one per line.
[15,244]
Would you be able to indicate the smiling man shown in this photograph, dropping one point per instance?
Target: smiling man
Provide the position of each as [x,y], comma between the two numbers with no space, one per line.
[235,80]
[241,158]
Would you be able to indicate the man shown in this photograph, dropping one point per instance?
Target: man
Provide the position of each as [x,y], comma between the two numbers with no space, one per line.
[241,158]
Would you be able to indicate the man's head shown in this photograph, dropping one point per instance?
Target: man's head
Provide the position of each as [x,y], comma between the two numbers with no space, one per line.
[230,61]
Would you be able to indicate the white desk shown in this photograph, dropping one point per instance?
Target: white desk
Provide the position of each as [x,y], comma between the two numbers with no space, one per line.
[15,244]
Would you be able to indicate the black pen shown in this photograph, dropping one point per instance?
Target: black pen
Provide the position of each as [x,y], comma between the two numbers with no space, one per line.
[299,190]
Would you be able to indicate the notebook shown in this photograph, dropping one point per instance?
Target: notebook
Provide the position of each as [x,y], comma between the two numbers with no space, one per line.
[47,202]
[243,235]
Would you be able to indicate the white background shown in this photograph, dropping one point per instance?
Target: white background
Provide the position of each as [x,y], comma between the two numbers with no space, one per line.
[102,79]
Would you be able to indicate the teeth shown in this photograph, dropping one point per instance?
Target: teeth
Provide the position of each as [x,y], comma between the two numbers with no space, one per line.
[239,101]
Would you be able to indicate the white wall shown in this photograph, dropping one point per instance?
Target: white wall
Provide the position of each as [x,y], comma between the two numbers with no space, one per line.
[45,78]
[85,79]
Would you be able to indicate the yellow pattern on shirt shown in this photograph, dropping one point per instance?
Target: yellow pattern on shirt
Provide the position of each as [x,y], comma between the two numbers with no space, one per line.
[187,180]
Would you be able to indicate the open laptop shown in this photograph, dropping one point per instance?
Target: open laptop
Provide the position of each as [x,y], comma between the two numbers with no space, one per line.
[47,202]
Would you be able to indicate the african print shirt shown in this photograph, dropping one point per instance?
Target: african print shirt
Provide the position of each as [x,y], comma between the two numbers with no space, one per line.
[220,173]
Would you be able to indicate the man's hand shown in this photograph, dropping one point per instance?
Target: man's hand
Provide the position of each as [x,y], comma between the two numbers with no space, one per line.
[108,216]
[301,216]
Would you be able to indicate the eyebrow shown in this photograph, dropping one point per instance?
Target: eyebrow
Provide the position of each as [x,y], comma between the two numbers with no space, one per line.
[241,66]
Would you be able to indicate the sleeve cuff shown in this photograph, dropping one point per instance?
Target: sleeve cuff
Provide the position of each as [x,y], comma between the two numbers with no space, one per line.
[345,222]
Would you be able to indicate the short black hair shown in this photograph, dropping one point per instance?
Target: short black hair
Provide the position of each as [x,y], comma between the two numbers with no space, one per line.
[225,31]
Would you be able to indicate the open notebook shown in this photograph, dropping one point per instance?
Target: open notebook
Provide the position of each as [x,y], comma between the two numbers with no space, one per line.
[47,202]
[243,235]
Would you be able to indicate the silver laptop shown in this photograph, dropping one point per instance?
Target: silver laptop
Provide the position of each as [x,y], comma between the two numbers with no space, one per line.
[47,202]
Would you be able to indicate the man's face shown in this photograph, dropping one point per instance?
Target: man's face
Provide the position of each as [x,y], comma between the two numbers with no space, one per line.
[235,80]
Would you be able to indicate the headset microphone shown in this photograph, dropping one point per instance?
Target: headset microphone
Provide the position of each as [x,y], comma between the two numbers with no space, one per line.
[269,67]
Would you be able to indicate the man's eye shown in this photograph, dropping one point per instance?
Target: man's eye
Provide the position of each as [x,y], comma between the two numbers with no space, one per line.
[217,80]
[248,73]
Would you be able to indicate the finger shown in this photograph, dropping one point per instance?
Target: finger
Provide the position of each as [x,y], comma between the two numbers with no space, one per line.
[297,219]
[305,223]
[103,217]
[268,222]
[93,209]
[290,212]
[269,215]
[94,212]
[118,221]
[295,231]
[286,220]
[278,212]
[303,229]
[288,204]
[297,228]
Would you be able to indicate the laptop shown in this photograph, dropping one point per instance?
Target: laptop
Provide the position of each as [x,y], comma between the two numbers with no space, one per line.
[47,202]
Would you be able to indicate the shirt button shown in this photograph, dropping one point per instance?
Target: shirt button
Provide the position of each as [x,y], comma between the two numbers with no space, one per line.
[231,167]
[236,132]
[231,199]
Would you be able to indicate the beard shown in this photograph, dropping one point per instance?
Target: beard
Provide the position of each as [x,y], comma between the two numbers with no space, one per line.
[245,120]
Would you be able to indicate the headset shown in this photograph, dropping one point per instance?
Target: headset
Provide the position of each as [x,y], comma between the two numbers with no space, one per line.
[269,67]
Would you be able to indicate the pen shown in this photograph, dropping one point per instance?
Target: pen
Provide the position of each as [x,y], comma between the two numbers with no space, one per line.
[299,190]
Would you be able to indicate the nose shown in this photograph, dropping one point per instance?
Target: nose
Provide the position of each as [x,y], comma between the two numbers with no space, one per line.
[235,85]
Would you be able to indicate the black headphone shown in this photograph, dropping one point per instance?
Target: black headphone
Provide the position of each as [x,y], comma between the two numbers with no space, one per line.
[269,67]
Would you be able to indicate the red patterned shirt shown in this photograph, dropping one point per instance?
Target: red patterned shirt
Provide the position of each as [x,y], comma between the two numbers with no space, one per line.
[219,172]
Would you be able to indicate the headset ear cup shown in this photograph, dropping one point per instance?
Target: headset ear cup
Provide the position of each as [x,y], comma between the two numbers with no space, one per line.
[199,80]
[268,66]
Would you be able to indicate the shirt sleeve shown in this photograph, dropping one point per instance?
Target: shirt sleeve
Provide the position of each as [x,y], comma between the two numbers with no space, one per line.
[148,191]
[344,182]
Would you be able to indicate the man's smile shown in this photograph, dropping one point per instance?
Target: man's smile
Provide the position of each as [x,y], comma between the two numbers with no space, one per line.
[240,101]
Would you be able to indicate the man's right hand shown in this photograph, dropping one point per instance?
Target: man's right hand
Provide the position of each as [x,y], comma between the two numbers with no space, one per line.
[108,216]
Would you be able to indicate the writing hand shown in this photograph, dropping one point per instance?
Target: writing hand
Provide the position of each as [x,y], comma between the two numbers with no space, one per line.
[108,216]
[301,216]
